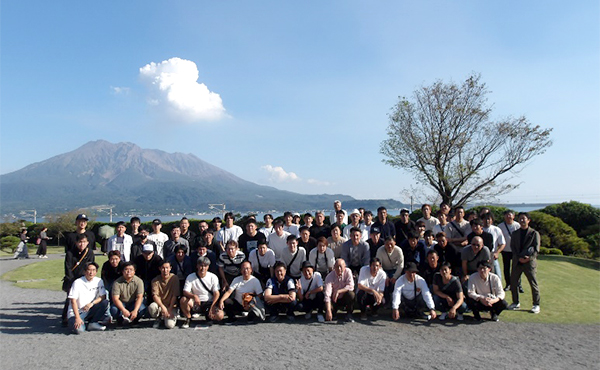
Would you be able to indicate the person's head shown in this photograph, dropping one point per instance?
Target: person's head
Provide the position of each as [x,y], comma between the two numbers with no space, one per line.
[175,232]
[441,239]
[471,215]
[308,219]
[374,265]
[180,252]
[355,235]
[216,223]
[428,236]
[476,226]
[279,269]
[135,222]
[337,205]
[128,270]
[120,226]
[420,225]
[268,218]
[368,217]
[82,241]
[296,219]
[459,213]
[339,267]
[246,270]
[446,271]
[339,217]
[477,244]
[307,270]
[229,218]
[44,228]
[251,227]
[483,268]
[426,210]
[442,217]
[509,217]
[336,232]
[231,248]
[319,218]
[202,226]
[278,227]
[362,213]
[355,217]
[524,220]
[413,239]
[114,258]
[432,258]
[410,271]
[375,234]
[483,211]
[322,244]
[382,214]
[292,243]
[288,218]
[148,251]
[404,215]
[81,221]
[262,248]
[487,219]
[184,224]
[445,207]
[202,265]
[208,235]
[91,269]
[304,233]
[202,249]
[156,225]
[143,232]
[165,269]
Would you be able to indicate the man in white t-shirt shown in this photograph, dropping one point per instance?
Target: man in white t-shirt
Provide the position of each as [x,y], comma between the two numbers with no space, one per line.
[371,286]
[337,206]
[121,242]
[278,239]
[201,293]
[229,231]
[247,297]
[87,302]
[157,237]
[288,226]
[310,292]
[355,222]
[508,227]
[427,218]
[268,228]
[499,242]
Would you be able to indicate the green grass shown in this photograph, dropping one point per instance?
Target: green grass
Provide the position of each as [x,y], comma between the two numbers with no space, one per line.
[33,248]
[570,288]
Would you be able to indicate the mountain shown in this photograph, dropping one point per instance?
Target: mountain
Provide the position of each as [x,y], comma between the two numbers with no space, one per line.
[144,181]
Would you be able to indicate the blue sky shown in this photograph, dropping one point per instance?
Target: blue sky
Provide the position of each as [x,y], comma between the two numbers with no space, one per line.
[305,87]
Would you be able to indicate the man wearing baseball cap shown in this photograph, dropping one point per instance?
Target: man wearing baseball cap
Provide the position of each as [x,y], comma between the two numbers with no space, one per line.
[411,296]
[71,240]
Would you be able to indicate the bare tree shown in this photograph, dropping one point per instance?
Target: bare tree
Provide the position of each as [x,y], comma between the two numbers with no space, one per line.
[445,137]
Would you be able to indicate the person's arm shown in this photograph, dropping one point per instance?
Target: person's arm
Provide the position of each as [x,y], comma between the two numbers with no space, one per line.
[224,298]
[396,300]
[400,267]
[223,279]
[427,298]
[78,320]
[452,311]
[465,275]
[117,302]
[136,308]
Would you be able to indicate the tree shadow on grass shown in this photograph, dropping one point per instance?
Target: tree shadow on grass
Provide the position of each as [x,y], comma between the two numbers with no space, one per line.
[32,318]
[590,264]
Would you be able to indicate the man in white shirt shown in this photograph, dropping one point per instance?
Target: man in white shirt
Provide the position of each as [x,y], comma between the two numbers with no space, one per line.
[355,222]
[337,206]
[268,228]
[292,257]
[411,296]
[120,242]
[371,285]
[485,292]
[508,227]
[427,218]
[288,226]
[157,237]
[229,232]
[247,286]
[87,302]
[310,292]
[498,240]
[278,239]
[201,293]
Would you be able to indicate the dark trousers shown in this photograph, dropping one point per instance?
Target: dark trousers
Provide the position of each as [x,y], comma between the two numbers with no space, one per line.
[276,308]
[530,271]
[365,299]
[412,307]
[496,308]
[233,307]
[442,305]
[308,305]
[346,301]
[42,248]
[506,264]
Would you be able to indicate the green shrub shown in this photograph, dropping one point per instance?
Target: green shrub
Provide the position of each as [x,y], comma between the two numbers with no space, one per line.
[556,251]
[9,243]
[560,235]
[582,217]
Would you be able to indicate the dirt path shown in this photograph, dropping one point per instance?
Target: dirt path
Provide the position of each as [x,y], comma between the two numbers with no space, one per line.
[30,336]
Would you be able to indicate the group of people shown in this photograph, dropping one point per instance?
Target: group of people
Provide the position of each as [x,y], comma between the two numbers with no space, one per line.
[445,264]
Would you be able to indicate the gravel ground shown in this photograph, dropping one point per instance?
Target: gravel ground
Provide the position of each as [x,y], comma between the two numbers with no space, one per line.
[31,336]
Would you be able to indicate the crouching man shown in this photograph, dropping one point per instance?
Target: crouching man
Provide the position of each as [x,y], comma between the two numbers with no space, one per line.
[128,296]
[309,291]
[247,298]
[411,297]
[165,289]
[201,294]
[339,291]
[87,303]
[280,293]
[485,292]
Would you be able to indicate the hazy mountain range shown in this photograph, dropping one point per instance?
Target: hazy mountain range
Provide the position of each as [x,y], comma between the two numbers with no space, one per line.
[147,181]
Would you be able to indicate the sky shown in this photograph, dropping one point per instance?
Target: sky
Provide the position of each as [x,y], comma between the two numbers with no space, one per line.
[296,95]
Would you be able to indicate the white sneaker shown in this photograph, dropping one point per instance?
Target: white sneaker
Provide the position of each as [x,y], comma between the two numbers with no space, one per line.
[195,316]
[535,309]
[308,315]
[320,318]
[459,317]
[94,326]
[126,320]
[443,316]
[514,306]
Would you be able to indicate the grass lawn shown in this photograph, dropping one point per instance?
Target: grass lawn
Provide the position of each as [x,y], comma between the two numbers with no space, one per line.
[570,288]
[33,248]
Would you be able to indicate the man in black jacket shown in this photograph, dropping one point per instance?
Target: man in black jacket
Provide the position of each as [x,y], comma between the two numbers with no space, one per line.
[75,262]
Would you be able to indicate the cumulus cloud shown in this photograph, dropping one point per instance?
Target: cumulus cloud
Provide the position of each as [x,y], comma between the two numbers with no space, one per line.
[174,85]
[278,174]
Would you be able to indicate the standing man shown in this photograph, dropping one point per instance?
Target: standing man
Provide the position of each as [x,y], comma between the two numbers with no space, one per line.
[75,262]
[175,242]
[288,225]
[120,242]
[305,240]
[498,240]
[355,222]
[427,218]
[508,226]
[337,206]
[292,257]
[250,240]
[71,240]
[278,239]
[229,232]
[355,252]
[230,263]
[458,229]
[135,223]
[188,234]
[268,228]
[404,226]
[525,246]
[339,291]
[148,266]
[157,237]
[471,255]
[319,229]
[165,290]
[385,227]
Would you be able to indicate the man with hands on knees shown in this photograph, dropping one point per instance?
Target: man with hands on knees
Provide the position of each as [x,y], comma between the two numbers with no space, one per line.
[339,291]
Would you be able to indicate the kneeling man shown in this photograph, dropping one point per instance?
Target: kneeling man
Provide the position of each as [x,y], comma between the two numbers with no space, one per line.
[411,295]
[485,292]
[128,296]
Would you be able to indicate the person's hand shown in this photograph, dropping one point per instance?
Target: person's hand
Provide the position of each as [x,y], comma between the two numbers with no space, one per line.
[486,302]
[378,298]
[164,311]
[126,313]
[464,278]
[133,315]
[433,314]
[197,301]
[328,315]
[334,296]
[87,307]
[495,255]
[524,259]
[78,323]
[221,305]
[450,301]
[306,295]
[395,314]
[452,313]
[225,287]
[170,313]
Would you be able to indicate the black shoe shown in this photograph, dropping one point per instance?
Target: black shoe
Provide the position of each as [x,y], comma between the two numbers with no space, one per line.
[476,315]
[507,288]
[521,290]
[495,317]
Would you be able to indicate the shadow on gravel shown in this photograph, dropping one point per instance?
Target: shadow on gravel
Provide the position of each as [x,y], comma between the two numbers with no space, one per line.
[32,318]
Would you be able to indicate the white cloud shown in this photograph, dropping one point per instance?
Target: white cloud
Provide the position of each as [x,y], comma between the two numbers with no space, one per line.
[118,90]
[278,174]
[318,182]
[174,85]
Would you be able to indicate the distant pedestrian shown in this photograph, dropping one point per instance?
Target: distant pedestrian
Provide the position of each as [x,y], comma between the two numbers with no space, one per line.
[22,251]
[43,243]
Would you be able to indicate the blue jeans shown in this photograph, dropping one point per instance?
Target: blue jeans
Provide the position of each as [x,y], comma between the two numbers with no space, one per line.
[117,314]
[442,305]
[497,270]
[98,312]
